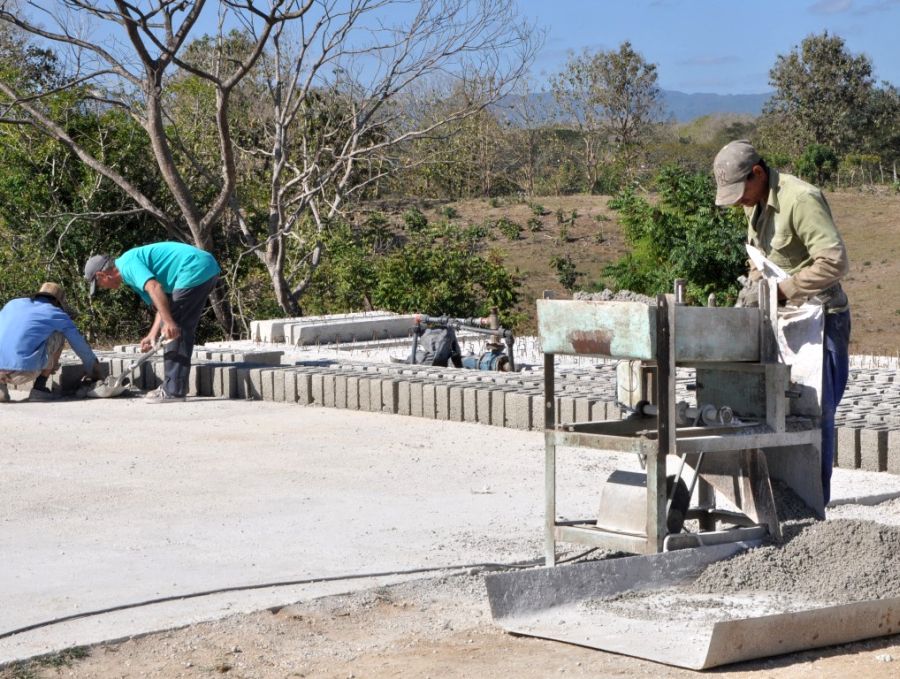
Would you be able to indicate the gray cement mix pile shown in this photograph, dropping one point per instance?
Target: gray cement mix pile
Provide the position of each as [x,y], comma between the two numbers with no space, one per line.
[819,564]
[608,295]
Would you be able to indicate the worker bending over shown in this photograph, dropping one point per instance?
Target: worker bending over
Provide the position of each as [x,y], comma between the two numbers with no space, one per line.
[174,278]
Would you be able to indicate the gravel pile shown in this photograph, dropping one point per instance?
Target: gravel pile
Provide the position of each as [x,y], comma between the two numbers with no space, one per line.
[610,296]
[839,560]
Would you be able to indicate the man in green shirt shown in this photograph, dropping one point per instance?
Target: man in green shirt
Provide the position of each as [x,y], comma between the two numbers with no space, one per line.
[174,278]
[790,221]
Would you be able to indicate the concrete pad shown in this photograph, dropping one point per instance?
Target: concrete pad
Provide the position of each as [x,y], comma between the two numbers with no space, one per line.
[228,497]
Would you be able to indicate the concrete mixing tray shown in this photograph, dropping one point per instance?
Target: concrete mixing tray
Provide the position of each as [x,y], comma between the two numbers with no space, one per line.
[637,606]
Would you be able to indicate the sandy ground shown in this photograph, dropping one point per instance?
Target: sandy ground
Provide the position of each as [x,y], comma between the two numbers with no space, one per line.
[116,502]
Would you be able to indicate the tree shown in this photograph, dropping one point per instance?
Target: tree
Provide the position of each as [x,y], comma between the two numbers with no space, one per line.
[348,93]
[129,69]
[613,99]
[683,236]
[824,91]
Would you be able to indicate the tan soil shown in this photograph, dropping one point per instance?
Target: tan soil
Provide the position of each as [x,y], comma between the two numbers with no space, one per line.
[433,629]
[868,220]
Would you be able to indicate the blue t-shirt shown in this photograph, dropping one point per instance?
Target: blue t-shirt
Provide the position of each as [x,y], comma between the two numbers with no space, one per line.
[25,327]
[175,266]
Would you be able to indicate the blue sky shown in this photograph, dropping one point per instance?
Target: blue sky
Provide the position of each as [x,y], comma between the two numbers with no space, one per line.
[717,46]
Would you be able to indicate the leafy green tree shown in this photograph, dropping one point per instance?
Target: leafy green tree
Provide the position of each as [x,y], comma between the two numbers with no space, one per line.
[817,163]
[441,270]
[614,100]
[683,236]
[824,91]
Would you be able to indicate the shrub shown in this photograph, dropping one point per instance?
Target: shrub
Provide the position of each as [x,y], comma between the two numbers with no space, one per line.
[684,236]
[537,209]
[534,224]
[509,228]
[449,212]
[414,219]
[565,271]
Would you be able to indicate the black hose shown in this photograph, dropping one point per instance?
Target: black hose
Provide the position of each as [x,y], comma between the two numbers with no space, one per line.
[482,566]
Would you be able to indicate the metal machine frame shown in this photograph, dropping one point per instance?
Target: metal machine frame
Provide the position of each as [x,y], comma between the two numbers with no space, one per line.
[733,459]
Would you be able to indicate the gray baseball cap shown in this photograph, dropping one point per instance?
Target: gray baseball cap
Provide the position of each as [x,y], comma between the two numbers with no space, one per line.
[92,266]
[731,168]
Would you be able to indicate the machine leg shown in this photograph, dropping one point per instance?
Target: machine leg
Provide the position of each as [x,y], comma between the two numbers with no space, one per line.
[549,462]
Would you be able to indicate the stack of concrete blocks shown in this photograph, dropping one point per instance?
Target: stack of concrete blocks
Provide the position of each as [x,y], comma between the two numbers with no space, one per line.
[333,329]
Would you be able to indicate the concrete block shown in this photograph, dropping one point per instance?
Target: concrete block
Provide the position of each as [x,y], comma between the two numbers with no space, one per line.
[290,386]
[483,400]
[598,411]
[873,450]
[375,394]
[278,378]
[225,381]
[340,391]
[565,409]
[249,383]
[193,381]
[267,384]
[262,357]
[390,395]
[538,408]
[498,408]
[518,410]
[470,403]
[328,387]
[304,388]
[318,389]
[353,392]
[429,400]
[846,448]
[416,398]
[582,409]
[205,373]
[457,406]
[365,394]
[442,401]
[403,396]
[893,452]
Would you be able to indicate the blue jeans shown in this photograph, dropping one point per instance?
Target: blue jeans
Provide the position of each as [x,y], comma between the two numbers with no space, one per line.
[835,370]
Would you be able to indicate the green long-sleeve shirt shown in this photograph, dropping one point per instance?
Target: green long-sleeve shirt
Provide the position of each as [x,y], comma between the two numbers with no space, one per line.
[796,231]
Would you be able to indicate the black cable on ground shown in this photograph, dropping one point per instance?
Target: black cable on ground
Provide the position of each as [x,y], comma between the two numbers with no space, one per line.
[283,583]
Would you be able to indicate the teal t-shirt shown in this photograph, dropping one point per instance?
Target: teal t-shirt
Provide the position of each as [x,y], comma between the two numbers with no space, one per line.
[175,266]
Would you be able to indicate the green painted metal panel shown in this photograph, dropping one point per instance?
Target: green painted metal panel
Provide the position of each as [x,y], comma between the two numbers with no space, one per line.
[611,329]
[628,330]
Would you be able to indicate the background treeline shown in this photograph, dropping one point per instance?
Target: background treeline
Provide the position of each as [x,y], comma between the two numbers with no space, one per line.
[306,160]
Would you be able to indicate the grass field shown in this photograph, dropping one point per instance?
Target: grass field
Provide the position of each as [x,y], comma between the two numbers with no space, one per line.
[869,222]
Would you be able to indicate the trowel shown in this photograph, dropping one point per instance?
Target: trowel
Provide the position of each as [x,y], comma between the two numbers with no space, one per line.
[115,386]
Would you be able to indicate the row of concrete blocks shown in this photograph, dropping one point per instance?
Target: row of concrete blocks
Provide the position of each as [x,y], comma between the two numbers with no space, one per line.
[435,394]
[478,402]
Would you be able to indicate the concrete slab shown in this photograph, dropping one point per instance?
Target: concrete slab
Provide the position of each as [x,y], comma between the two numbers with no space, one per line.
[230,493]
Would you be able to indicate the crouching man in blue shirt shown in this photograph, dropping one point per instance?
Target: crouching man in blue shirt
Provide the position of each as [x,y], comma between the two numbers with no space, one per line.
[33,331]
[174,278]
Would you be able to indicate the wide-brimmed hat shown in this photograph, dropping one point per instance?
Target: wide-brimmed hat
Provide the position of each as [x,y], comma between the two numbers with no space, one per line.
[731,167]
[55,290]
[92,267]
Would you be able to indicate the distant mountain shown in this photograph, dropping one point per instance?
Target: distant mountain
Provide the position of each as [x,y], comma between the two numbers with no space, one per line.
[682,106]
[686,107]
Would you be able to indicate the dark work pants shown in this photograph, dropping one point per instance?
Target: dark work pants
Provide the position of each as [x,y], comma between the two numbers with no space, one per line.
[187,306]
[835,371]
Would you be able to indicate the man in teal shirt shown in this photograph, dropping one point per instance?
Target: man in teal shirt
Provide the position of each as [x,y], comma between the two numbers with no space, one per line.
[176,279]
